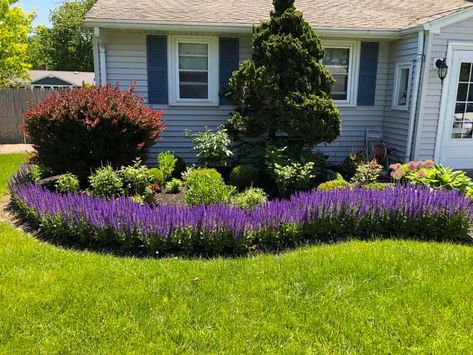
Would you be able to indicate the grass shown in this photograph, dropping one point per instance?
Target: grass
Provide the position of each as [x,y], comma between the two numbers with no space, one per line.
[356,297]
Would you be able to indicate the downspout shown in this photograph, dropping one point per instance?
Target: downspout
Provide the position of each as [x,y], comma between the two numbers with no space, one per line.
[102,56]
[419,62]
[424,82]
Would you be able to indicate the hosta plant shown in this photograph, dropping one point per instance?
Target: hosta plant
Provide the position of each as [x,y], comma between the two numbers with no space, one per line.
[430,174]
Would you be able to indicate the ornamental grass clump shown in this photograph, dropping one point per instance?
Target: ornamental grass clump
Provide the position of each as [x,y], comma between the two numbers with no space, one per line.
[222,229]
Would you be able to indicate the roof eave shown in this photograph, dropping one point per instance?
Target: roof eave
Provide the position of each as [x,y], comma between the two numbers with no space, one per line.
[238,28]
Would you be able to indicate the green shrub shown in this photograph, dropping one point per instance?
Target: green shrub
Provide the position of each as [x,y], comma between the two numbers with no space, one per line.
[173,186]
[68,183]
[207,189]
[213,147]
[250,198]
[156,176]
[293,177]
[35,172]
[166,162]
[136,178]
[79,130]
[179,168]
[106,182]
[333,184]
[367,173]
[193,174]
[243,176]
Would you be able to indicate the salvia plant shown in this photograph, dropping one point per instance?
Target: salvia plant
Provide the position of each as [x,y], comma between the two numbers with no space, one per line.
[216,229]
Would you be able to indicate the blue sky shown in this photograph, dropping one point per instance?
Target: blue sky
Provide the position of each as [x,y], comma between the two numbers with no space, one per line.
[42,8]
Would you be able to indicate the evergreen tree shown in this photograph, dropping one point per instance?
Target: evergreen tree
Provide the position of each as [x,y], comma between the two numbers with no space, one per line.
[284,87]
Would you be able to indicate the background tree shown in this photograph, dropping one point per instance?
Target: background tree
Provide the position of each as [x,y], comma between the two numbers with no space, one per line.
[39,48]
[14,28]
[284,87]
[70,40]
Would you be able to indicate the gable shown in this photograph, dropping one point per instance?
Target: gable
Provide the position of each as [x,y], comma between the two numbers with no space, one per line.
[51,81]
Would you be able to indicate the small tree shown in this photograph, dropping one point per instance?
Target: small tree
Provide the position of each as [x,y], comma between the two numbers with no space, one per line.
[14,28]
[284,87]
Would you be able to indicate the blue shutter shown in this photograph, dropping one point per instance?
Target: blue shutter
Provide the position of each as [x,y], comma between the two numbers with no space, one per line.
[157,69]
[368,72]
[229,62]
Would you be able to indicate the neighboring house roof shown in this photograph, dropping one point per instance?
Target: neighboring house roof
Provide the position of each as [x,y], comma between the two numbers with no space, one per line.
[322,14]
[48,77]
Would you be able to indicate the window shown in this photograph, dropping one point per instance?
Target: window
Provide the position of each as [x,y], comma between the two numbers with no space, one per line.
[341,59]
[402,86]
[193,78]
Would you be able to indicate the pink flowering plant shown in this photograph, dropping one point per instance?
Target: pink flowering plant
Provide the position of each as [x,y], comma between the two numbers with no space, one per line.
[428,173]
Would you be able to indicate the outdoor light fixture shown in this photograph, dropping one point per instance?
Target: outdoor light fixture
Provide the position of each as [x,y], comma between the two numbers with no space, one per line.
[442,67]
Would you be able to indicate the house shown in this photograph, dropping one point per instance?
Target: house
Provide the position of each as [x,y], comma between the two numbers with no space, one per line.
[387,58]
[54,80]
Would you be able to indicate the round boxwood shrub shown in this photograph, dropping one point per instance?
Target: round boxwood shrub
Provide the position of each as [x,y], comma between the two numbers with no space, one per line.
[244,176]
[333,184]
[194,174]
[80,130]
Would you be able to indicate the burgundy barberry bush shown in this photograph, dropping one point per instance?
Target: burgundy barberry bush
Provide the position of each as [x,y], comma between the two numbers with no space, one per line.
[80,130]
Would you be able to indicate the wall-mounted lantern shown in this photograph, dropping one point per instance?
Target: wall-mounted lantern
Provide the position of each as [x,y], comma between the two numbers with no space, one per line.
[442,68]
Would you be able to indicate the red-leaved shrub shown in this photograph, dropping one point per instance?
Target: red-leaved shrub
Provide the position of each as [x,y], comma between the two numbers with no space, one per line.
[79,130]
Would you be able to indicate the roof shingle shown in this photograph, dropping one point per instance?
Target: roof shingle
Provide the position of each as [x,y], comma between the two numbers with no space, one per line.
[322,14]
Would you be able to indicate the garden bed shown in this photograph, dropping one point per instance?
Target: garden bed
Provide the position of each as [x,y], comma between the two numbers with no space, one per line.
[227,230]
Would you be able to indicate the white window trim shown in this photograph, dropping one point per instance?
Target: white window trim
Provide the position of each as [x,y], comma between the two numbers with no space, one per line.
[397,81]
[173,71]
[354,69]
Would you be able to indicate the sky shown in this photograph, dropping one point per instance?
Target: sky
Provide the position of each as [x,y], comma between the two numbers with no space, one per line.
[42,8]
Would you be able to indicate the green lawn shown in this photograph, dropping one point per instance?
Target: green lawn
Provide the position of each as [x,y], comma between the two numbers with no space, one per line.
[357,297]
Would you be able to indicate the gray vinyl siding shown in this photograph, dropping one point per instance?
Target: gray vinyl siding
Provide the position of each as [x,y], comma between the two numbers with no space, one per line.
[357,119]
[428,126]
[126,62]
[396,122]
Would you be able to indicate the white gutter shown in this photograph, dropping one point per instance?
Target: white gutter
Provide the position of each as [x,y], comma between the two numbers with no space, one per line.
[241,29]
[100,58]
[420,61]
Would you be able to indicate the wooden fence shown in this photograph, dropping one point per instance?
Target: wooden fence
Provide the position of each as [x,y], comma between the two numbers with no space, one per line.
[13,104]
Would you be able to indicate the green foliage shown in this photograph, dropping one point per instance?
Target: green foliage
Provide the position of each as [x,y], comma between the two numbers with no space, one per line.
[14,28]
[243,176]
[136,178]
[156,176]
[333,184]
[250,198]
[208,189]
[213,147]
[293,177]
[39,48]
[70,40]
[284,87]
[289,174]
[166,162]
[106,182]
[68,183]
[367,173]
[376,186]
[430,174]
[35,172]
[192,174]
[350,164]
[173,186]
